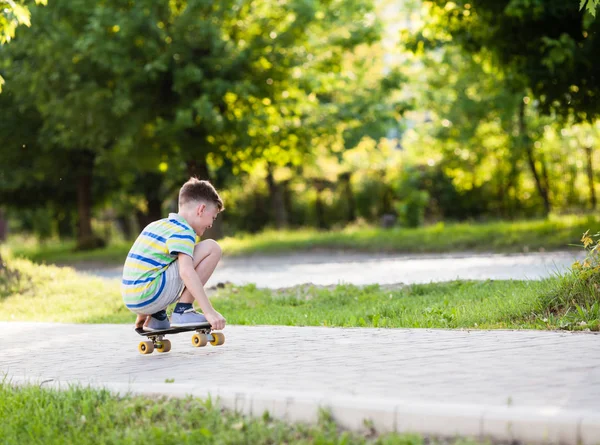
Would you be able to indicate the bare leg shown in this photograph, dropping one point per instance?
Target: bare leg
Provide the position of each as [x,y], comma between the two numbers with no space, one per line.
[207,254]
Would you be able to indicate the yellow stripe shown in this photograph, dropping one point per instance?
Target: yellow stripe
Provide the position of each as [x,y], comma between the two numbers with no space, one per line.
[166,225]
[132,264]
[151,243]
[134,290]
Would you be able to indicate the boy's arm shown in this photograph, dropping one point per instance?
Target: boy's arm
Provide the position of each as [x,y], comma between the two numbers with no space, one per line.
[194,285]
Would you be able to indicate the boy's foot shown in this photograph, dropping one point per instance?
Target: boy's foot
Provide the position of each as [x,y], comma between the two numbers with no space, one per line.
[189,318]
[157,325]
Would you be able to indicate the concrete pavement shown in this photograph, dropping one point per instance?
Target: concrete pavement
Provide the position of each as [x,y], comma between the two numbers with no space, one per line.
[532,386]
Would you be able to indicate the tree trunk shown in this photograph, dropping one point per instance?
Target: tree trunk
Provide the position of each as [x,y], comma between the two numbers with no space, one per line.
[287,200]
[512,188]
[590,175]
[543,191]
[546,181]
[348,195]
[85,168]
[319,206]
[3,227]
[125,225]
[150,184]
[276,196]
[199,169]
[502,195]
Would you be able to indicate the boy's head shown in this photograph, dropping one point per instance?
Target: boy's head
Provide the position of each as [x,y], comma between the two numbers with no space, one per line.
[199,204]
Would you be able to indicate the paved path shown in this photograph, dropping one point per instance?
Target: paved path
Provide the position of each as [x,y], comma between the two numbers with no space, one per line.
[361,269]
[526,385]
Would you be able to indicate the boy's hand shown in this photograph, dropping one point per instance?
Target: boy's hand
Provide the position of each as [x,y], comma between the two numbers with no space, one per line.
[141,321]
[216,320]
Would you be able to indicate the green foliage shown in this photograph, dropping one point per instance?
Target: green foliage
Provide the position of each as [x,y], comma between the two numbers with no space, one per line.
[550,60]
[302,94]
[12,14]
[143,94]
[575,302]
[589,5]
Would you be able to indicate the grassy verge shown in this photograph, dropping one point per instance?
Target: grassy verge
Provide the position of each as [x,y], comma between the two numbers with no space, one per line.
[85,416]
[520,236]
[49,293]
[555,233]
[63,252]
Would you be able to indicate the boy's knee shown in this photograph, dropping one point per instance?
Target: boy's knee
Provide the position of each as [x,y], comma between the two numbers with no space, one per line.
[209,247]
[215,248]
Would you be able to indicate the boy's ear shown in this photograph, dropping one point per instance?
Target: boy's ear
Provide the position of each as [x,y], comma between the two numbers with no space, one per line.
[201,208]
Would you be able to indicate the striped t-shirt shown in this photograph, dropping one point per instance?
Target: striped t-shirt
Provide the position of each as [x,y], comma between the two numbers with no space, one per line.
[157,246]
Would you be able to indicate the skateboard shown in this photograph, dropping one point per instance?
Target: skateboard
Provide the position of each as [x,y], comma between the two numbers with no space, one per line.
[157,342]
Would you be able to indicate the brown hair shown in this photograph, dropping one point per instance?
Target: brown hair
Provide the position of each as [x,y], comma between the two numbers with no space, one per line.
[198,190]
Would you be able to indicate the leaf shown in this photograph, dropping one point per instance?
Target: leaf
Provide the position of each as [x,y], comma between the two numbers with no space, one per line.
[21,13]
[590,6]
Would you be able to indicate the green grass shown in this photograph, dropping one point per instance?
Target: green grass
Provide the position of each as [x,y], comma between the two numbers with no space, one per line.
[49,293]
[31,415]
[555,233]
[63,252]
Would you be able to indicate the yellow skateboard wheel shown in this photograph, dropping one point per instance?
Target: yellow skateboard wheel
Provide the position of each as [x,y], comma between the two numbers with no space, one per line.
[219,339]
[146,347]
[163,346]
[199,340]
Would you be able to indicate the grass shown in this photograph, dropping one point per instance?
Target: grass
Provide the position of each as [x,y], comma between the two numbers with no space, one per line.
[64,252]
[49,293]
[555,233]
[84,416]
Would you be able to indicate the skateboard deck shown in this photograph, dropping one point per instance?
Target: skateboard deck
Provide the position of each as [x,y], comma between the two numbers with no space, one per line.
[174,330]
[156,340]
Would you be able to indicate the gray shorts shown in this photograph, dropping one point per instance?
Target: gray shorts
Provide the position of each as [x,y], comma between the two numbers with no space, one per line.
[170,294]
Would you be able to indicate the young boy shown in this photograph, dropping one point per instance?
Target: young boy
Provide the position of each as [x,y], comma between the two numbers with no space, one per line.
[165,264]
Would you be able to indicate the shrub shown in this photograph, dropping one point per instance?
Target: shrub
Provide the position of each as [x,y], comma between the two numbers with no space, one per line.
[576,300]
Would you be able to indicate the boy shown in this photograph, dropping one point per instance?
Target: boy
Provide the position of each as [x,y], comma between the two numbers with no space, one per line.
[165,264]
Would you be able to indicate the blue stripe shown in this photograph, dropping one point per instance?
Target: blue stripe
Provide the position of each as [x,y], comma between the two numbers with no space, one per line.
[138,281]
[153,235]
[190,237]
[174,221]
[145,260]
[154,298]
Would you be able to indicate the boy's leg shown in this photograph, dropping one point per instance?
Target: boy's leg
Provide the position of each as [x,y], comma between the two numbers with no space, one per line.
[156,315]
[207,254]
[206,257]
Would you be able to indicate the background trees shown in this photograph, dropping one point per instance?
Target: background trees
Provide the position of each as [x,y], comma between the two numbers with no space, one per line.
[303,112]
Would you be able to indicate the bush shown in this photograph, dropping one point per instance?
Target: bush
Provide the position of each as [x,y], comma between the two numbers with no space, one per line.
[576,300]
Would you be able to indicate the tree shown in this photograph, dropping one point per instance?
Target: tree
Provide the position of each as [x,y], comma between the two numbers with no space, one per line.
[80,111]
[238,81]
[12,14]
[149,87]
[544,49]
[545,46]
